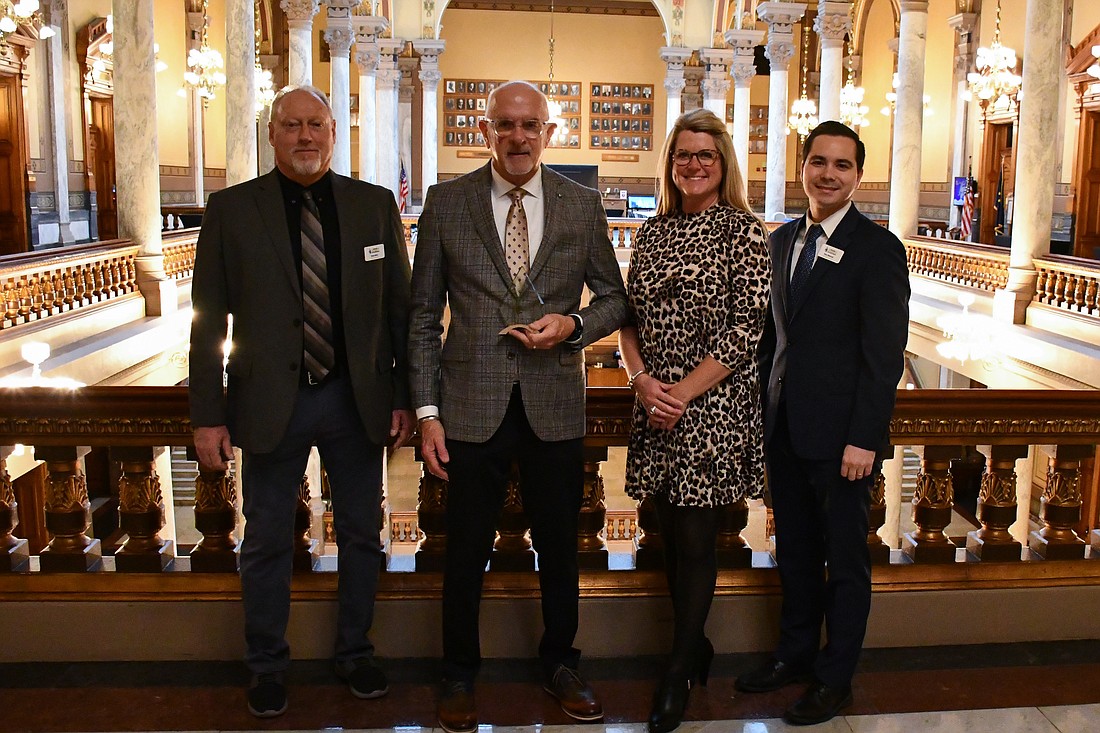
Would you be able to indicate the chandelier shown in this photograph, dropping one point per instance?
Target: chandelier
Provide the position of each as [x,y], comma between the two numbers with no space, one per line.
[996,77]
[967,337]
[892,100]
[853,112]
[204,65]
[803,111]
[1094,70]
[21,12]
[561,133]
[265,84]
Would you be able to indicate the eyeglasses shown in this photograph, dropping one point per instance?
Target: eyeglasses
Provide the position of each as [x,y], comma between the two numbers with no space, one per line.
[706,158]
[531,128]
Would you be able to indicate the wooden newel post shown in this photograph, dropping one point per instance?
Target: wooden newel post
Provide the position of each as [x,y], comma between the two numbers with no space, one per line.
[592,520]
[68,513]
[932,502]
[14,555]
[307,550]
[1060,506]
[997,507]
[141,513]
[879,550]
[731,548]
[215,518]
[512,549]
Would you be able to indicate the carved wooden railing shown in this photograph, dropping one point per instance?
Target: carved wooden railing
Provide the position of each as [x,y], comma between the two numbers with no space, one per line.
[132,422]
[620,230]
[978,266]
[179,253]
[1069,283]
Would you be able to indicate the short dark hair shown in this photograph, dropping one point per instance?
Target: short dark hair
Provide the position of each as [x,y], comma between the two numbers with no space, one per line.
[837,129]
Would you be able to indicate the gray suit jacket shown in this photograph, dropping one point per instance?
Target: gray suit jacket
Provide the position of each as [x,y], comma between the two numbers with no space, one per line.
[460,262]
[244,266]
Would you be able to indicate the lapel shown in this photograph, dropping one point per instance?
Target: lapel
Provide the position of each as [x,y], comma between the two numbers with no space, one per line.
[355,219]
[782,267]
[551,195]
[841,239]
[272,210]
[480,204]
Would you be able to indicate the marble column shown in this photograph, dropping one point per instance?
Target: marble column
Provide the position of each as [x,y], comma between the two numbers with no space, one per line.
[59,130]
[367,28]
[266,152]
[386,119]
[137,171]
[430,76]
[908,119]
[240,92]
[674,57]
[965,24]
[780,18]
[832,23]
[1036,157]
[195,125]
[744,43]
[716,79]
[339,36]
[406,90]
[299,15]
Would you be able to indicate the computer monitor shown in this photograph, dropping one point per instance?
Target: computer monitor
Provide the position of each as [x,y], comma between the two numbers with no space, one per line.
[645,203]
[586,175]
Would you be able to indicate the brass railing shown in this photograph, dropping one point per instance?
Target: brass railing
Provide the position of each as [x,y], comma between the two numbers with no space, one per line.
[131,422]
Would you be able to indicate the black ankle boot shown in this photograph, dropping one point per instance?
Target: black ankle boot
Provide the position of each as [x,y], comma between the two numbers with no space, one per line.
[669,703]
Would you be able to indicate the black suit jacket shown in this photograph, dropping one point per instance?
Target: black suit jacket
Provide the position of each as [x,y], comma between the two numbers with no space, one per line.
[244,265]
[834,360]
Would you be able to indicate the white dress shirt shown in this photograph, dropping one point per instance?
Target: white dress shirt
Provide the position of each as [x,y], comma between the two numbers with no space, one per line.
[534,205]
[829,225]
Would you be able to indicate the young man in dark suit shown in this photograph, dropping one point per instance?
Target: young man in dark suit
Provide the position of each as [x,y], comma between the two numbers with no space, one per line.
[312,268]
[831,362]
[509,248]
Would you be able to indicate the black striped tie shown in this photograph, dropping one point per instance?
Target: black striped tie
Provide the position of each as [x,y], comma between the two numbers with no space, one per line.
[319,355]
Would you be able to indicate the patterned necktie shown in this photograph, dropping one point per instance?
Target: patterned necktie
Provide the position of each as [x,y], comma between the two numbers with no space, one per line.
[516,245]
[319,355]
[801,274]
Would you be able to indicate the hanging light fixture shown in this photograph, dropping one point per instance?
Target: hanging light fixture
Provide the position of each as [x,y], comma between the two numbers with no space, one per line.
[853,112]
[21,12]
[265,84]
[561,134]
[967,337]
[803,116]
[204,65]
[1094,70]
[892,100]
[996,78]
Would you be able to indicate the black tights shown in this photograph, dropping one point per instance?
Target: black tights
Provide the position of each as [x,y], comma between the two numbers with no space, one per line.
[689,535]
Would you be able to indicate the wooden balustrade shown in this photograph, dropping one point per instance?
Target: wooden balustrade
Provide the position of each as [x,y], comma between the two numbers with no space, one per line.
[1069,283]
[972,265]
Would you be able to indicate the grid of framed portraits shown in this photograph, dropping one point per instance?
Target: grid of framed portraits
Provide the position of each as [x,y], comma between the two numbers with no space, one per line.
[621,116]
[464,104]
[758,127]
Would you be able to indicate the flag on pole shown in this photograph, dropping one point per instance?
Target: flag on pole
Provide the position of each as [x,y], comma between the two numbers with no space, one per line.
[968,207]
[999,203]
[403,190]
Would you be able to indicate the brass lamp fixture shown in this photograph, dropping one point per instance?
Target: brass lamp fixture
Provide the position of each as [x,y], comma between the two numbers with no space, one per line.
[995,82]
[265,87]
[21,12]
[205,66]
[803,116]
[853,112]
[561,134]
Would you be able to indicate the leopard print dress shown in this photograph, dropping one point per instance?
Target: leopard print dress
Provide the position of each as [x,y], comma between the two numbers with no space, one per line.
[698,285]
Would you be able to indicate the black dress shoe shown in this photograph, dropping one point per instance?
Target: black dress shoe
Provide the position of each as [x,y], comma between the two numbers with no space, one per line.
[769,677]
[818,704]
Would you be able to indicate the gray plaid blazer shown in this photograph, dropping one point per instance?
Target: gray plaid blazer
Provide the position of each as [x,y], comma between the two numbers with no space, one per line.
[460,262]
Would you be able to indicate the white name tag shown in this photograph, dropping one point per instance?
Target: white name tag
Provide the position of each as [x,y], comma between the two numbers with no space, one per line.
[374,252]
[832,254]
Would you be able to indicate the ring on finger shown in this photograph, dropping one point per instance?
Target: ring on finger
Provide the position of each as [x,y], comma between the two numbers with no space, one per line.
[653,410]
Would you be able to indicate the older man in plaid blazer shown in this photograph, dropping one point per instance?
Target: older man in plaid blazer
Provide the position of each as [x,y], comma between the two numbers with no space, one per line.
[510,248]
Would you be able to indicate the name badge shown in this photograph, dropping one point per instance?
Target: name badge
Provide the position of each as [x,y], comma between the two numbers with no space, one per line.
[374,252]
[832,254]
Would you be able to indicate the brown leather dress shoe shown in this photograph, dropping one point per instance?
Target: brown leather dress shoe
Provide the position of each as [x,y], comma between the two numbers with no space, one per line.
[457,709]
[577,699]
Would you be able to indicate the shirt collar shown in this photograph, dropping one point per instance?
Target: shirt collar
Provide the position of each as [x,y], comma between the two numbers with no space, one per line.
[501,187]
[830,223]
[292,190]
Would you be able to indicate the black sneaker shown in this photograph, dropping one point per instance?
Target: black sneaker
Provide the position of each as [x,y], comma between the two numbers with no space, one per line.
[267,695]
[365,680]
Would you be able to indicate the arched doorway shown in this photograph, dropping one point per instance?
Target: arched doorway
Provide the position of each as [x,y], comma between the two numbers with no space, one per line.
[97,110]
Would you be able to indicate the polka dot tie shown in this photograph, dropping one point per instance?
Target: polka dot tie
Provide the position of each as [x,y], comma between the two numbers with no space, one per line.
[516,245]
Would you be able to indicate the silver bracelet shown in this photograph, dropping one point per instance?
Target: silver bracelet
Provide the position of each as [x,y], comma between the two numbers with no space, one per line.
[630,379]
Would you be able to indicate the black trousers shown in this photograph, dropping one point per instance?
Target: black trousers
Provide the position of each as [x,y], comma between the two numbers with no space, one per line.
[552,483]
[821,521]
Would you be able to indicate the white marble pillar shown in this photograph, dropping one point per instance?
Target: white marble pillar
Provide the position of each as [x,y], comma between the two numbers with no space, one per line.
[58,134]
[196,145]
[832,23]
[299,15]
[430,76]
[1036,157]
[367,28]
[406,90]
[674,57]
[908,119]
[339,36]
[266,152]
[716,79]
[137,172]
[386,118]
[744,43]
[964,24]
[240,92]
[780,18]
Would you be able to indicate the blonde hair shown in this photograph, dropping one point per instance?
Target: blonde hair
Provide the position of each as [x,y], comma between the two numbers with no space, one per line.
[731,192]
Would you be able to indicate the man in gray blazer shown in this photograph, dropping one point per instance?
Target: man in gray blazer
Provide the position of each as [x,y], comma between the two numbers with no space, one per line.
[312,268]
[509,248]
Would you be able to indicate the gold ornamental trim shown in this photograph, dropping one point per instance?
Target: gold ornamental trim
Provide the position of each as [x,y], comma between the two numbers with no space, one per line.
[963,427]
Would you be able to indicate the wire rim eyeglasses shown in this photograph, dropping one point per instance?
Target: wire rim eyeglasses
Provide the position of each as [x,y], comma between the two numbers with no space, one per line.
[530,128]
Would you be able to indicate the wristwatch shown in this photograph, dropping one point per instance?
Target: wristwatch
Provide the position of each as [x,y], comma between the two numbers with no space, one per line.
[578,330]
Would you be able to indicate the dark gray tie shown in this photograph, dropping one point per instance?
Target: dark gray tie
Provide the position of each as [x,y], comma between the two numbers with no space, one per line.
[801,274]
[319,355]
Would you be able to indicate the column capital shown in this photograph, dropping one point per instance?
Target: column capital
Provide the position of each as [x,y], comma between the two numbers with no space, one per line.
[675,84]
[963,22]
[339,40]
[407,65]
[914,6]
[340,8]
[391,47]
[368,27]
[429,49]
[833,21]
[675,57]
[780,16]
[300,10]
[716,87]
[717,59]
[743,39]
[780,51]
[743,74]
[366,57]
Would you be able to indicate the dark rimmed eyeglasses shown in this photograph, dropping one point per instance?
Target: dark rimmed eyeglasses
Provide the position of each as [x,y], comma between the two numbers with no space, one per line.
[706,158]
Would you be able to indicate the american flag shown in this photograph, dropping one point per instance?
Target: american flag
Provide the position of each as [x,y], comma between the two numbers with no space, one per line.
[403,190]
[968,209]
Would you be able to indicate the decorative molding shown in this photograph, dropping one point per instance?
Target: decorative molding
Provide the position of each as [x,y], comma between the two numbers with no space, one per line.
[596,7]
